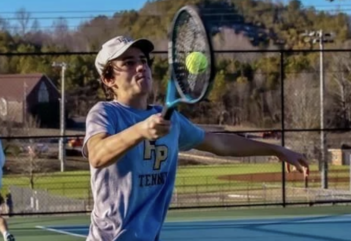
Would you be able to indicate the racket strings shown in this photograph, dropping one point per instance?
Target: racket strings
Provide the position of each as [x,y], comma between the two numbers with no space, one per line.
[190,38]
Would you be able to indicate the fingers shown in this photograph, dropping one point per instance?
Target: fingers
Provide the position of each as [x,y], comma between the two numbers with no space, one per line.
[305,167]
[301,166]
[157,127]
[303,162]
[163,130]
[287,167]
[159,131]
[159,120]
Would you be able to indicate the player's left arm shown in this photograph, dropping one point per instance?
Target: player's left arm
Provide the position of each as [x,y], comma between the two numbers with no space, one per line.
[193,137]
[235,145]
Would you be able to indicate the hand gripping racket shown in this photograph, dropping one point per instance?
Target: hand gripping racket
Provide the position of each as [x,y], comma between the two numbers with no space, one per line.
[188,34]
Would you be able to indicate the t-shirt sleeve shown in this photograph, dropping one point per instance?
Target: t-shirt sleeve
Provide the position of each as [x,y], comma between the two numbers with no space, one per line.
[2,155]
[190,135]
[98,120]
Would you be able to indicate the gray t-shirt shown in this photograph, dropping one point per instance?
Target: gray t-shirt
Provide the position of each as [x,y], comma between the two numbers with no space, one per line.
[132,196]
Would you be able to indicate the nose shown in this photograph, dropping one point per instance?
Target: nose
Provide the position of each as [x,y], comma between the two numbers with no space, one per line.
[141,67]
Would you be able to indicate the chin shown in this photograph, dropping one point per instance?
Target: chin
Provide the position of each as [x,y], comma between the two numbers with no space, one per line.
[143,92]
[146,92]
[145,89]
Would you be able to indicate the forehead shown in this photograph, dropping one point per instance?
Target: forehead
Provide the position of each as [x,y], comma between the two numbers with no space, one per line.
[132,53]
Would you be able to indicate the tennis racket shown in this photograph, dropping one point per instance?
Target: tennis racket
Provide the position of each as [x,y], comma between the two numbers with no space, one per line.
[188,34]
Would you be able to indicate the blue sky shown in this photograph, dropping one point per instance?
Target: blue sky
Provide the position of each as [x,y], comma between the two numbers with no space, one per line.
[80,10]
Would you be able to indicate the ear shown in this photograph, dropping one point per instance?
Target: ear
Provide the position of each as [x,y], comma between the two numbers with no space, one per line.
[109,82]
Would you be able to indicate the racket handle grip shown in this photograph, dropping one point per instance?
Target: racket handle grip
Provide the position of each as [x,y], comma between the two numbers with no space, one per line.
[167,113]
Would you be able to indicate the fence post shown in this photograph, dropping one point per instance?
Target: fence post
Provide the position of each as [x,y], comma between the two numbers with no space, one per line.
[282,122]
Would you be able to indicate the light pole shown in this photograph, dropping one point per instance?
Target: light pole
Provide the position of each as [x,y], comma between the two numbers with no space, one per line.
[321,38]
[62,148]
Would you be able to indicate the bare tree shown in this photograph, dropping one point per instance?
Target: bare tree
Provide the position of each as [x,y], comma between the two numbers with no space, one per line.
[259,82]
[8,117]
[23,18]
[4,25]
[268,101]
[61,33]
[35,26]
[241,98]
[228,39]
[30,161]
[339,86]
[302,112]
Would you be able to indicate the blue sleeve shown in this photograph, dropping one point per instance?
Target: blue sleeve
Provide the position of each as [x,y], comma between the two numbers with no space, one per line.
[2,156]
[190,135]
[99,120]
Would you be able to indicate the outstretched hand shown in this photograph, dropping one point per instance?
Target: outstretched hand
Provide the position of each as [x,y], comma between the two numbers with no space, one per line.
[296,160]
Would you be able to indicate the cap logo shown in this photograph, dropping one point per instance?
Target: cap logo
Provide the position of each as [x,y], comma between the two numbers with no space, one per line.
[124,40]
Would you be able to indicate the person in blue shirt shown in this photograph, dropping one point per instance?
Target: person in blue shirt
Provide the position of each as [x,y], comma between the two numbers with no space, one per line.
[3,224]
[133,151]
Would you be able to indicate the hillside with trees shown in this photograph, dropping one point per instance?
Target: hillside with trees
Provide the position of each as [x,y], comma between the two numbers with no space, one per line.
[247,87]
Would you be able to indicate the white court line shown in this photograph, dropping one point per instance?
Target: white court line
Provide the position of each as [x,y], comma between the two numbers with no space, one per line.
[259,221]
[60,231]
[326,220]
[242,196]
[267,220]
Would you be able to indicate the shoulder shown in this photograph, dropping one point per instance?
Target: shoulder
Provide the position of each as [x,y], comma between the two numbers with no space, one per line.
[102,105]
[103,112]
[104,108]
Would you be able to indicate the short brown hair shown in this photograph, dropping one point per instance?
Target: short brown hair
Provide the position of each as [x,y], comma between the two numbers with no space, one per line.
[107,73]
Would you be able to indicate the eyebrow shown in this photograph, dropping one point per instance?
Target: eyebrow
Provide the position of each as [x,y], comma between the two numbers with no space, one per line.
[133,57]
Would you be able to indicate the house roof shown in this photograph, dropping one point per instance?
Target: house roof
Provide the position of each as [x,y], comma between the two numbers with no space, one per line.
[12,86]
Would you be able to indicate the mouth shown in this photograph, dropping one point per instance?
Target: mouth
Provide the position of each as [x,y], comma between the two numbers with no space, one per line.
[141,78]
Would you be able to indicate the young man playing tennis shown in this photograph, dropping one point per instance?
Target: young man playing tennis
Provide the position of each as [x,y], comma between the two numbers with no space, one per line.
[3,224]
[133,151]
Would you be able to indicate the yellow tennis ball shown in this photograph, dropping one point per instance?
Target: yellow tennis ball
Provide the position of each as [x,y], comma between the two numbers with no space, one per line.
[196,62]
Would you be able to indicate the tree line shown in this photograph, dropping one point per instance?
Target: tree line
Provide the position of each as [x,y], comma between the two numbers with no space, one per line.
[247,89]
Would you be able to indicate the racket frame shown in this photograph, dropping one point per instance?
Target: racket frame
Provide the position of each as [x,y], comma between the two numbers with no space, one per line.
[175,95]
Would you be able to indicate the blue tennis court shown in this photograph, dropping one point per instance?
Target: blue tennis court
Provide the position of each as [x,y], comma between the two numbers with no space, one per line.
[307,228]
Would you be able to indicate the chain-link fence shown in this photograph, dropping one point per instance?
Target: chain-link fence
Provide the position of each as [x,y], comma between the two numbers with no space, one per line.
[270,96]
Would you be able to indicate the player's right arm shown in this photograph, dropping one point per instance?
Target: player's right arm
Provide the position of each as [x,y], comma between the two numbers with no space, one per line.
[105,148]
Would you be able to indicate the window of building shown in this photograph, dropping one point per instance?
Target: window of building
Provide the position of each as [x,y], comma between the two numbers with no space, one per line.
[43,95]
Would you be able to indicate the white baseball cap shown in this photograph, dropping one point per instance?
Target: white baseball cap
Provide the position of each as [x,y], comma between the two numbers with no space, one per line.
[115,47]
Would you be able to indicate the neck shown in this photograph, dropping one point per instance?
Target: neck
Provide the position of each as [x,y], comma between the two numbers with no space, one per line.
[135,103]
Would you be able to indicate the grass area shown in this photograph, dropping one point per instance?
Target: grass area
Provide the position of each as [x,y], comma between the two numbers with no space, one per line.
[190,179]
[229,169]
[70,184]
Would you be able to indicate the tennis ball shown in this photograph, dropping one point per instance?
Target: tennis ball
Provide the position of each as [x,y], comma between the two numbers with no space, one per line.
[196,62]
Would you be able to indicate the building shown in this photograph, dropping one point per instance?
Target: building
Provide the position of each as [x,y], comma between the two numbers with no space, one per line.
[29,95]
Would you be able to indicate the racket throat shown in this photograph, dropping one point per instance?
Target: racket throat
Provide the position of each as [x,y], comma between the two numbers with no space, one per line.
[171,93]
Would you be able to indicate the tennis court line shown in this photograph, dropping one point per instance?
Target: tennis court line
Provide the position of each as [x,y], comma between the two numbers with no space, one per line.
[265,220]
[61,231]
